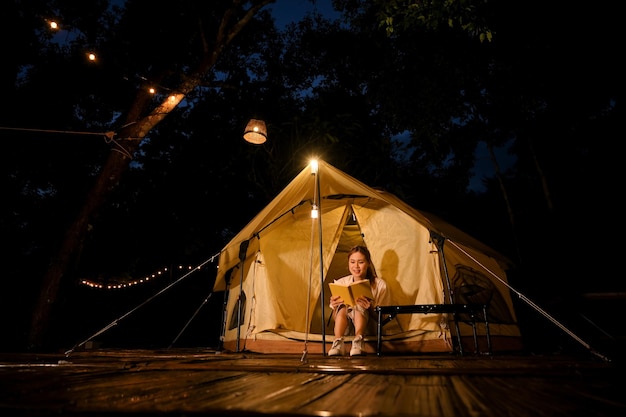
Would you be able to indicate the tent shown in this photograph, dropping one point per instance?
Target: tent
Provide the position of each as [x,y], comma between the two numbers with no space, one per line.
[286,256]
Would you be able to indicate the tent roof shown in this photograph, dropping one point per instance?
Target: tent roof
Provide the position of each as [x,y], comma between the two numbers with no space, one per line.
[335,184]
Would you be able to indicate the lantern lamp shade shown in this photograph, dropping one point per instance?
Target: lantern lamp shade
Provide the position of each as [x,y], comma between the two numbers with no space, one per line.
[255,132]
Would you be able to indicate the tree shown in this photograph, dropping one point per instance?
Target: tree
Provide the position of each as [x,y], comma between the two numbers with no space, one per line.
[213,31]
[399,96]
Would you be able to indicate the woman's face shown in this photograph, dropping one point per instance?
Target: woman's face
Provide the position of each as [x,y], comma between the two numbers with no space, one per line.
[358,266]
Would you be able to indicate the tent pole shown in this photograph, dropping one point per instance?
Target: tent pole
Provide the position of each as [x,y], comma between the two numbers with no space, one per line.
[319,227]
[227,279]
[439,240]
[243,248]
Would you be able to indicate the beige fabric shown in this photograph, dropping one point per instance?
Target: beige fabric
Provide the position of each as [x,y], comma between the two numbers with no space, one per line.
[282,274]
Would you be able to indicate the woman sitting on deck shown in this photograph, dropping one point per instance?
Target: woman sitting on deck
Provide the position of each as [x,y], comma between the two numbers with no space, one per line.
[360,266]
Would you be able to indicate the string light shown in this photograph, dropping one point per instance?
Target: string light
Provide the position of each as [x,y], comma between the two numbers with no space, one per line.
[128,284]
[119,284]
[173,98]
[54,25]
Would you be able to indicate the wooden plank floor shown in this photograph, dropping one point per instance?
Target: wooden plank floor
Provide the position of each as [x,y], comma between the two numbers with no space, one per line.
[196,382]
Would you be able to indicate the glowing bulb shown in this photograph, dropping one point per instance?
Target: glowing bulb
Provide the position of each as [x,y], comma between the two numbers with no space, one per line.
[314,166]
[314,212]
[91,56]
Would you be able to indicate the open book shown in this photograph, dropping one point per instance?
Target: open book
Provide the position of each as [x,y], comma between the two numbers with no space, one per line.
[349,293]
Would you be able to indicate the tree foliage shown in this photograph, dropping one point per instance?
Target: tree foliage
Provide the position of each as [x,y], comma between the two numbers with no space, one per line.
[109,182]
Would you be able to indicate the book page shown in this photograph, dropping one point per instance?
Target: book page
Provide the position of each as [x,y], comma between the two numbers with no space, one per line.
[343,292]
[361,288]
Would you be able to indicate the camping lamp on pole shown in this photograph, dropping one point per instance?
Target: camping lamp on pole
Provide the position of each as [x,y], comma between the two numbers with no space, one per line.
[316,214]
[255,132]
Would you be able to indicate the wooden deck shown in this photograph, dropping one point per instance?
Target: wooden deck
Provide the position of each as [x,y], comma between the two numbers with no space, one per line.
[204,382]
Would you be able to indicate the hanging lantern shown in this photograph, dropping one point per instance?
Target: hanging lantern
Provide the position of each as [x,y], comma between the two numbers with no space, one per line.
[255,132]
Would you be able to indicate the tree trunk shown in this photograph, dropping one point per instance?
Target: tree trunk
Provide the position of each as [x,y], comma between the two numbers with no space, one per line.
[111,173]
[129,138]
[505,196]
[544,182]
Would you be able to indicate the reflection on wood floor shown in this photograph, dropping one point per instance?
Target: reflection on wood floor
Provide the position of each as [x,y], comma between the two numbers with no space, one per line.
[193,382]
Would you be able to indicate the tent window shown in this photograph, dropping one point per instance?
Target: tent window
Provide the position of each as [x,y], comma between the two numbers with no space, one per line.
[472,287]
[233,314]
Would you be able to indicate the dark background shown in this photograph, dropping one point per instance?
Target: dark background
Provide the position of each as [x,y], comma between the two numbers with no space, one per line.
[415,112]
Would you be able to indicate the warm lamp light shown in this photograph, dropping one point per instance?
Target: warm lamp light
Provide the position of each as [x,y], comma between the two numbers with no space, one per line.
[314,166]
[255,132]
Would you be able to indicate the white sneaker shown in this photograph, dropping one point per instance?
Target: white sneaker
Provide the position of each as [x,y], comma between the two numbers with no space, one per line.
[357,346]
[337,348]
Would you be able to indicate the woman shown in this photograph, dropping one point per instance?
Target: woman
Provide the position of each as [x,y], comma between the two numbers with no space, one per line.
[360,267]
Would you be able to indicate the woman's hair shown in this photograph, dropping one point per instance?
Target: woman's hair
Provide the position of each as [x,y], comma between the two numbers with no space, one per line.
[370,274]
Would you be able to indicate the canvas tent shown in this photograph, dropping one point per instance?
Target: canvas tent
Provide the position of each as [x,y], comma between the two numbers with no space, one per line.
[283,303]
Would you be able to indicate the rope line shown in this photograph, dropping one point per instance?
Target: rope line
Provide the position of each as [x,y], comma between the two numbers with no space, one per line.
[116,321]
[532,304]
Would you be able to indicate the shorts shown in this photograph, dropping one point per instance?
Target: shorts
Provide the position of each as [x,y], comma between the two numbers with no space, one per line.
[351,311]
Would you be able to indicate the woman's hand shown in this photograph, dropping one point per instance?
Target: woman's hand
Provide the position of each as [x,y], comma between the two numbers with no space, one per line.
[335,301]
[364,302]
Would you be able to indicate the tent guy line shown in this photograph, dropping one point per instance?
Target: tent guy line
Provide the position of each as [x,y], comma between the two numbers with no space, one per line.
[119,319]
[538,309]
[406,246]
[109,136]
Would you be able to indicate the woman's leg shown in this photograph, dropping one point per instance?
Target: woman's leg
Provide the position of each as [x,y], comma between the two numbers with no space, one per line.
[341,322]
[360,322]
